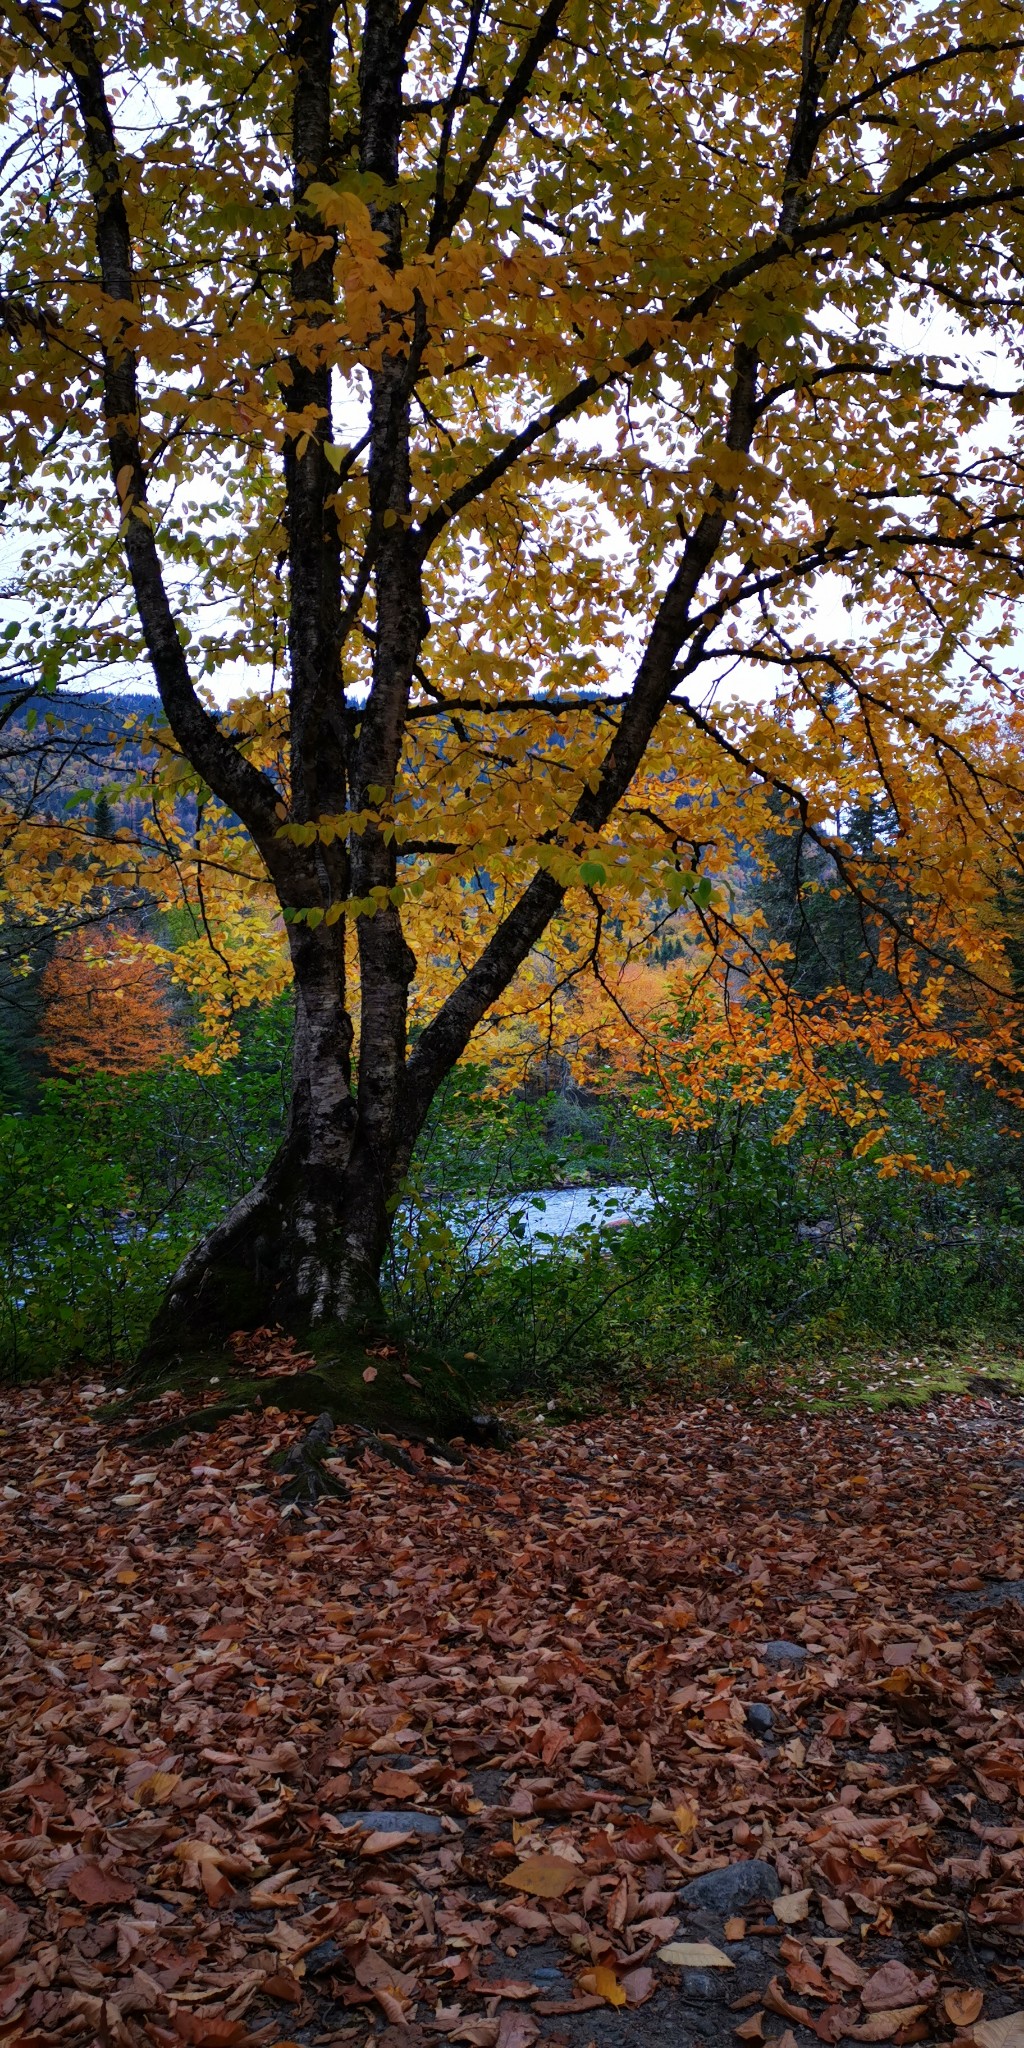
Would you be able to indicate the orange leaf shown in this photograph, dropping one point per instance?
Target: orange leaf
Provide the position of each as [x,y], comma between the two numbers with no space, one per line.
[962,2006]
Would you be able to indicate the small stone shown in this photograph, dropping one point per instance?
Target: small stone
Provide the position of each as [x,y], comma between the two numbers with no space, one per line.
[394,1823]
[729,1890]
[760,1719]
[781,1652]
[324,1957]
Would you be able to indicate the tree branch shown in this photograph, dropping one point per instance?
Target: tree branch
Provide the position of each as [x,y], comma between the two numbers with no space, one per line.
[244,788]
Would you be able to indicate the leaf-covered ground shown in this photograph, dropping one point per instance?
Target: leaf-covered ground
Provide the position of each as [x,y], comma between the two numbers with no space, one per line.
[552,1654]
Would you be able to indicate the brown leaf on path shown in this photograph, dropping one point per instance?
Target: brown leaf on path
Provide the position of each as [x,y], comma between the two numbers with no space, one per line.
[892,1985]
[835,1914]
[942,1935]
[1005,2033]
[13,1929]
[735,1929]
[791,1907]
[547,1877]
[399,1785]
[775,2000]
[962,2005]
[884,2026]
[284,1986]
[842,1967]
[381,1840]
[587,2002]
[751,2029]
[391,2006]
[94,1886]
[517,2030]
[639,1985]
[157,1787]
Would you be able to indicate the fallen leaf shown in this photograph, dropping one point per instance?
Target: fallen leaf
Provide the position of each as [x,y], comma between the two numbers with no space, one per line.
[962,2006]
[694,1955]
[735,1929]
[751,2029]
[284,1986]
[369,1373]
[791,1907]
[843,1968]
[884,2026]
[835,1914]
[380,1840]
[604,1983]
[776,2001]
[94,1886]
[157,1787]
[1005,2033]
[13,1929]
[942,1935]
[639,1985]
[547,1877]
[894,1985]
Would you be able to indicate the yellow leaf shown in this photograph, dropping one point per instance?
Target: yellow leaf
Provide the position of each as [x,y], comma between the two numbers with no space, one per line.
[695,1955]
[157,1787]
[547,1877]
[605,1983]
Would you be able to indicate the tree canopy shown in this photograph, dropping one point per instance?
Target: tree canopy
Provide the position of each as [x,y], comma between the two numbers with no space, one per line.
[474,396]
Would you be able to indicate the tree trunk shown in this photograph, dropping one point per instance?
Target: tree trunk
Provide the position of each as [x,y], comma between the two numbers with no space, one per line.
[303,1249]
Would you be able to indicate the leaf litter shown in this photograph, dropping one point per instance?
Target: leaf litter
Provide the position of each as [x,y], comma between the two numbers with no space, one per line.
[424,1767]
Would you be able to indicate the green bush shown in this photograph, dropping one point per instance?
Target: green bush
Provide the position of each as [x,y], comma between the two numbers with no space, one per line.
[753,1251]
[106,1183]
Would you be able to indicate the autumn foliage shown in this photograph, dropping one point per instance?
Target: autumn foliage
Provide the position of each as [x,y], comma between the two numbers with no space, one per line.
[593,437]
[105,1007]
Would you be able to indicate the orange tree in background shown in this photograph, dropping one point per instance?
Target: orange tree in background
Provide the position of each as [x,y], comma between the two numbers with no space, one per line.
[105,1009]
[480,387]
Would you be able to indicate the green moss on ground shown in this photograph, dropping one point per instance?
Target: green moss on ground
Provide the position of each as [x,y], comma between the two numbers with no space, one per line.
[387,1386]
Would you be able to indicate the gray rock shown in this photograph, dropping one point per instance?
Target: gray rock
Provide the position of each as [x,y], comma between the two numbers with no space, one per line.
[425,1824]
[995,1593]
[705,1987]
[324,1957]
[728,1891]
[781,1652]
[999,1592]
[760,1719]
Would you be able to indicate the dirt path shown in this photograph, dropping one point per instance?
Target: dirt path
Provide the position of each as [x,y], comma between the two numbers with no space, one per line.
[553,1671]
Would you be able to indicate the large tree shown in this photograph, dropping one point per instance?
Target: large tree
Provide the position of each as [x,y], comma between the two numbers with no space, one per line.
[476,384]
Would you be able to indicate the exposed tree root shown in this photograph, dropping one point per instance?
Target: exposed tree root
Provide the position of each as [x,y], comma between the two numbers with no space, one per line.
[308,1479]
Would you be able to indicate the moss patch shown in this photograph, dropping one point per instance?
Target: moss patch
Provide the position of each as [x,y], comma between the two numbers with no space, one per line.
[383,1383]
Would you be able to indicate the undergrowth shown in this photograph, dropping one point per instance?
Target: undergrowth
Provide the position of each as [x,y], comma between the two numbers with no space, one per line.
[764,1269]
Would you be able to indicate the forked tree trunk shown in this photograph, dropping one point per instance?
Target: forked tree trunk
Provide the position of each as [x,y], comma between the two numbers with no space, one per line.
[303,1249]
